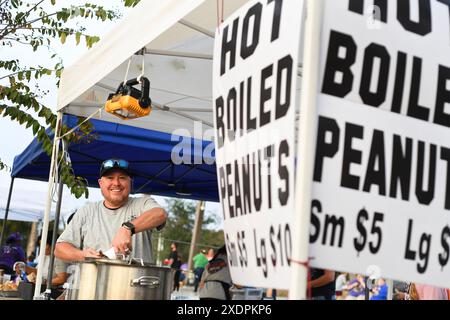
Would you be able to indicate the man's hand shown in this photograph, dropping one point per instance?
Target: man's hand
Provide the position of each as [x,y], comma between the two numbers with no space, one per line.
[91,253]
[122,241]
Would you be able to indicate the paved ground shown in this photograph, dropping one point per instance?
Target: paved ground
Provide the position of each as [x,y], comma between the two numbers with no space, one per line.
[185,293]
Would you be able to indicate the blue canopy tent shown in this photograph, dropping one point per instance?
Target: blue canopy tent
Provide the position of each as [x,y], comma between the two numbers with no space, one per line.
[149,153]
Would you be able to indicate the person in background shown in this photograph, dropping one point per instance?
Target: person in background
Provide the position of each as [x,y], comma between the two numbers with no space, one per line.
[341,282]
[200,261]
[380,291]
[11,252]
[356,288]
[30,260]
[270,294]
[173,257]
[216,280]
[119,222]
[210,254]
[176,277]
[59,267]
[422,292]
[322,284]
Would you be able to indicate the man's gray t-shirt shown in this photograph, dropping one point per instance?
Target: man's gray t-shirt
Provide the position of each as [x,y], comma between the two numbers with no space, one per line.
[94,226]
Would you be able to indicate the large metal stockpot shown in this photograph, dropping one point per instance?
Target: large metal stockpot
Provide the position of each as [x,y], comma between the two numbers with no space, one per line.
[104,279]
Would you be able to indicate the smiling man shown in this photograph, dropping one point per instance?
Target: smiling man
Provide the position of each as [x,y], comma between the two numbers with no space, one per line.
[120,222]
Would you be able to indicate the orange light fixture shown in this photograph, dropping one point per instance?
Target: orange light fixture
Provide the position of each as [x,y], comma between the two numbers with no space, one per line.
[128,102]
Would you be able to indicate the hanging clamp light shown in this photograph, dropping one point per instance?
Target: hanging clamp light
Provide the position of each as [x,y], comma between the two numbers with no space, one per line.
[128,102]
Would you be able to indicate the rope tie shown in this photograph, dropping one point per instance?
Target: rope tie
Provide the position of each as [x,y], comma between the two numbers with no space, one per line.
[306,264]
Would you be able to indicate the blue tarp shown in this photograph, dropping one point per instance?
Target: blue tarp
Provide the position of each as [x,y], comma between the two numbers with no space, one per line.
[149,153]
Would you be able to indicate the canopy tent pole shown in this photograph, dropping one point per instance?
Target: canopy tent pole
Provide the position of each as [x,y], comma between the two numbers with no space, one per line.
[196,232]
[5,218]
[51,178]
[305,153]
[55,232]
[180,54]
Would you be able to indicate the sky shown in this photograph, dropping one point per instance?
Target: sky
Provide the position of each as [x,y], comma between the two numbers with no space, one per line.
[15,138]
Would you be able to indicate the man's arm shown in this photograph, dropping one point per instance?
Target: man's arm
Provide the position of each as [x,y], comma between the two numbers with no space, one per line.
[147,220]
[326,278]
[68,252]
[59,279]
[150,219]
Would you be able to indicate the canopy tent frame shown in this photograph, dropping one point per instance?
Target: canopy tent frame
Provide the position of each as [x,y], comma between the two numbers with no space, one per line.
[11,185]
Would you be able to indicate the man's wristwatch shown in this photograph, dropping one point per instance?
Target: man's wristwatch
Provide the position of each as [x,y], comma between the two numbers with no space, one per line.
[128,225]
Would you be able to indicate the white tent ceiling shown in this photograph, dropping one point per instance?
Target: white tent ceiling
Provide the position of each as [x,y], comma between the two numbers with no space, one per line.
[178,37]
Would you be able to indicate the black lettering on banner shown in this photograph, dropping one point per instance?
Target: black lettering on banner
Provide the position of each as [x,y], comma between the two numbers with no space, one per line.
[372,52]
[246,185]
[283,173]
[257,183]
[260,246]
[424,251]
[316,206]
[401,167]
[351,156]
[443,97]
[339,65]
[231,114]
[330,221]
[251,122]
[229,189]
[229,47]
[447,3]
[425,196]
[268,154]
[421,27]
[288,246]
[219,122]
[284,67]
[376,159]
[445,155]
[223,190]
[237,190]
[414,109]
[280,245]
[273,256]
[444,255]
[255,11]
[360,241]
[276,19]
[324,148]
[357,6]
[265,95]
[243,260]
[399,84]
[231,251]
[333,222]
[241,108]
[423,248]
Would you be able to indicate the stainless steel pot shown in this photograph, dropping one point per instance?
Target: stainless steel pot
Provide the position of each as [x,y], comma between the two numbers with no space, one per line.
[104,279]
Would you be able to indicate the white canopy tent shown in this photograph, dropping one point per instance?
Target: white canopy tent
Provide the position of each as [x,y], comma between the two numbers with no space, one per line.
[28,204]
[176,39]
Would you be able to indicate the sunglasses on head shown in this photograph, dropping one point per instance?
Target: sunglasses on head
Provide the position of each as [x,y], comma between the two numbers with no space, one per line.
[115,163]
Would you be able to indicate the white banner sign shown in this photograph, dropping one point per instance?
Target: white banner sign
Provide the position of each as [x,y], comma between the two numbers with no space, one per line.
[254,80]
[381,196]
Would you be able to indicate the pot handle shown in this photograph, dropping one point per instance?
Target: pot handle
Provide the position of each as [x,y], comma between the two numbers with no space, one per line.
[145,281]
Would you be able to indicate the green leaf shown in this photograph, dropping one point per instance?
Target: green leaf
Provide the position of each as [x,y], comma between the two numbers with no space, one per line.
[53,2]
[77,37]
[63,37]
